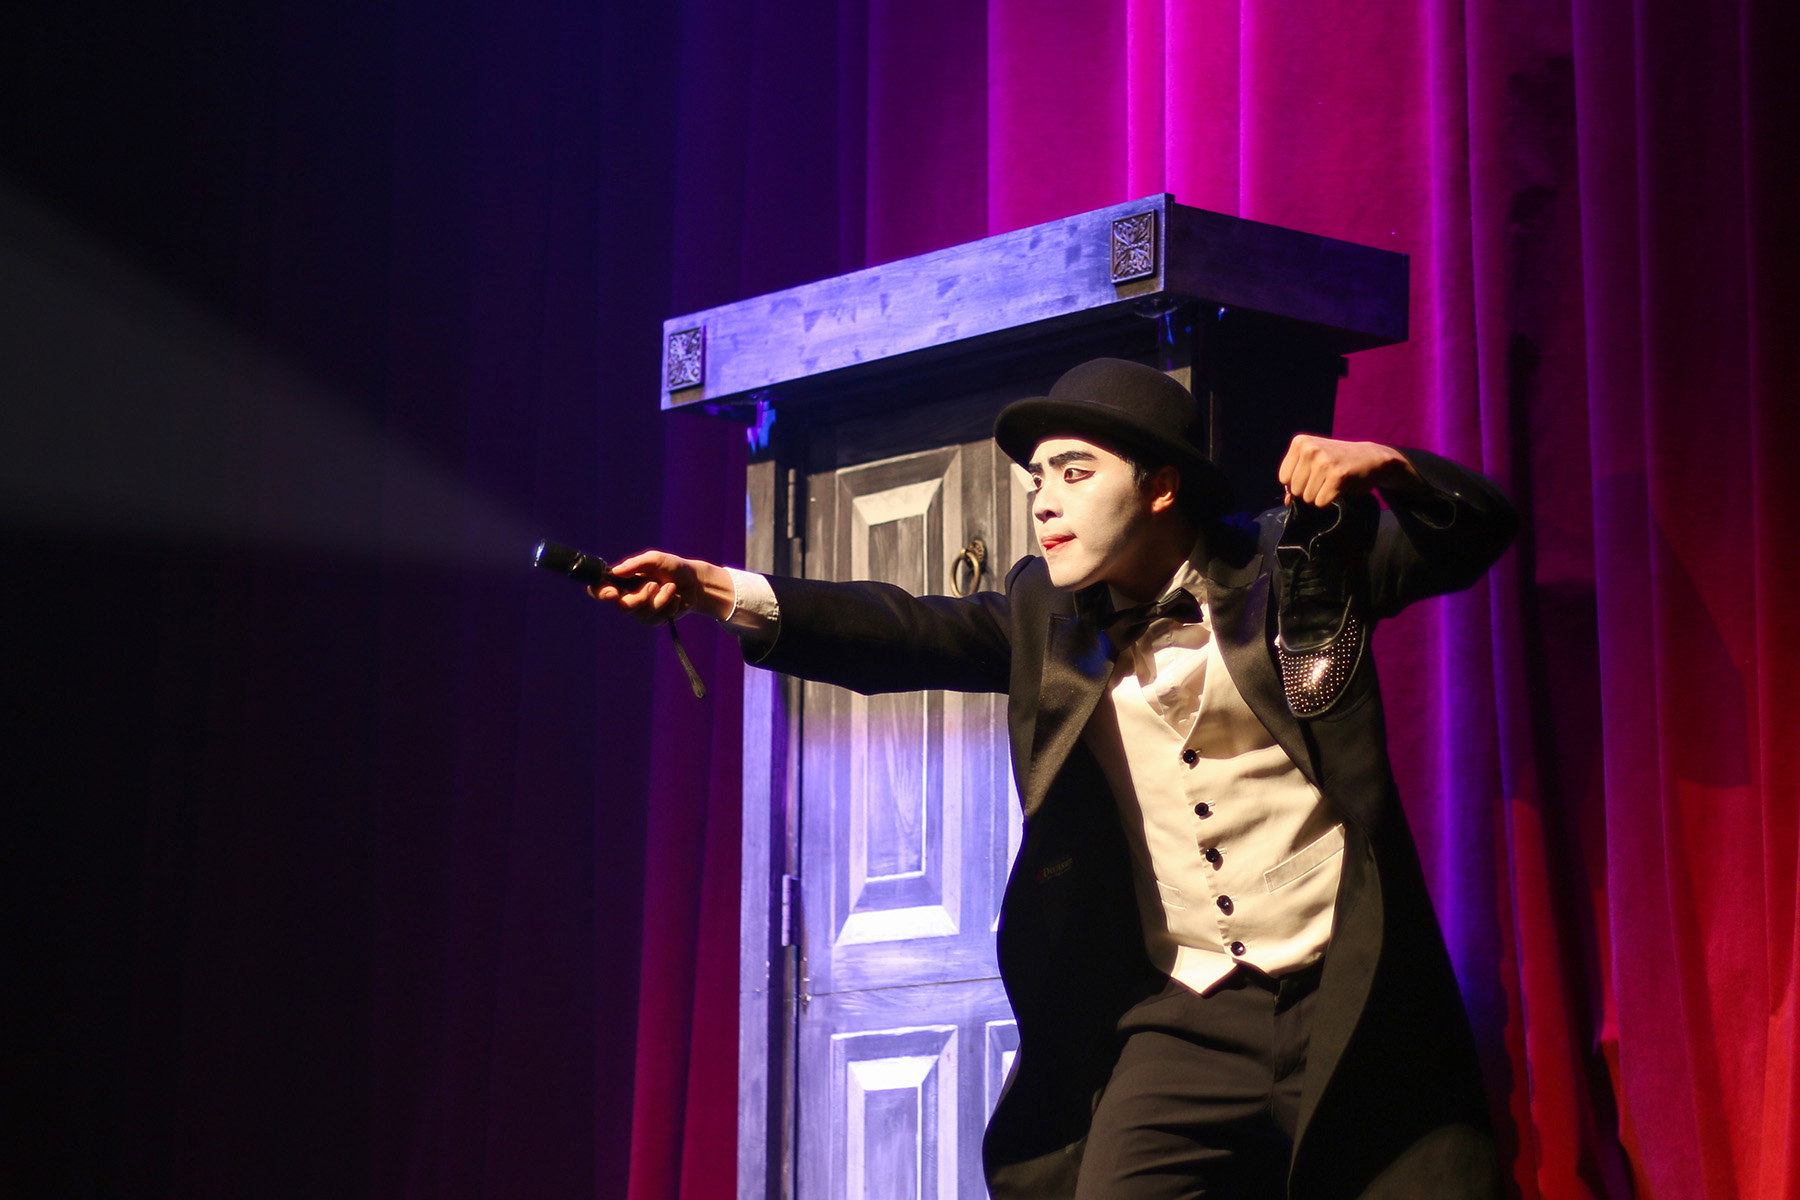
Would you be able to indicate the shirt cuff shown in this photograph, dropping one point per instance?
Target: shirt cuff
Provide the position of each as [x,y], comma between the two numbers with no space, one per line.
[754,609]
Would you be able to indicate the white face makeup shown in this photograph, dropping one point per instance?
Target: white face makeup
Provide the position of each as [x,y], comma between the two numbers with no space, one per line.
[1091,516]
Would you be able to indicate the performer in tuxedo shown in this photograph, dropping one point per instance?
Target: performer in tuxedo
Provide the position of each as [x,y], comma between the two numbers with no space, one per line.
[1228,978]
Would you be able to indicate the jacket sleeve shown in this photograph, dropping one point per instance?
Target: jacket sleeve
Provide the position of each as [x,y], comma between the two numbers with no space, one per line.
[875,637]
[1440,540]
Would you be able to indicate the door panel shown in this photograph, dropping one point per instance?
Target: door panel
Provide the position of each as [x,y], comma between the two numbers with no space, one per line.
[908,824]
[896,1088]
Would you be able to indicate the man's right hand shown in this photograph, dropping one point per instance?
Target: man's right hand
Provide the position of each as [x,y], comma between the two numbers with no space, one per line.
[676,587]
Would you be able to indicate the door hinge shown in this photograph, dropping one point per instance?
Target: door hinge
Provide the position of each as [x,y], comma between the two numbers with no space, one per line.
[790,900]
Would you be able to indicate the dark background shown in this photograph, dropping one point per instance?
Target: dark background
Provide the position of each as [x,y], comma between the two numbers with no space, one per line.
[353,301]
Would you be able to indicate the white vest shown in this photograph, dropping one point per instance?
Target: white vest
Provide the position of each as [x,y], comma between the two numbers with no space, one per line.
[1236,855]
[1276,850]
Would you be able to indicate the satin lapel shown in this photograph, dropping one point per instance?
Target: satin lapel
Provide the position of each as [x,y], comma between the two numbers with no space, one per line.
[1078,661]
[1240,611]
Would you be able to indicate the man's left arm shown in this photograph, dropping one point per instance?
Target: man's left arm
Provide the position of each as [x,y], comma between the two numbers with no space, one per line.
[1445,525]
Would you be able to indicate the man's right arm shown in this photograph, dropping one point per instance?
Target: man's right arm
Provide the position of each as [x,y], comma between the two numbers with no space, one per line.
[875,637]
[755,612]
[674,587]
[870,637]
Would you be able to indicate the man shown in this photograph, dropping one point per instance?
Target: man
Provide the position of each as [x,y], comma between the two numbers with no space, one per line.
[1216,938]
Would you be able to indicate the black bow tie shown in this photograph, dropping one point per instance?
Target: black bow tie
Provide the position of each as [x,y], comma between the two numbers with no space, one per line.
[1124,626]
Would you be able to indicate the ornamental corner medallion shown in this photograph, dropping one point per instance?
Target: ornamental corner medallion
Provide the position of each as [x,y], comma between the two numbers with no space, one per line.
[686,358]
[1134,247]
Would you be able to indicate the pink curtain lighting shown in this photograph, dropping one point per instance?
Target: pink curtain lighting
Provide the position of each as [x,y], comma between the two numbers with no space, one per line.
[1595,745]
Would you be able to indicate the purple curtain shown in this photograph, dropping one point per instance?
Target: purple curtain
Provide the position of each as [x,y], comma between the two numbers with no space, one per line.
[1597,199]
[325,814]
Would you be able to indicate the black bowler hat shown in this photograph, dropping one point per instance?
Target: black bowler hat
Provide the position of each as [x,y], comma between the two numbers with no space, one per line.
[1135,409]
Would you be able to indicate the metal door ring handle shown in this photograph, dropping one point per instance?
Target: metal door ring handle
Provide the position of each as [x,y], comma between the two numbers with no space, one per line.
[974,557]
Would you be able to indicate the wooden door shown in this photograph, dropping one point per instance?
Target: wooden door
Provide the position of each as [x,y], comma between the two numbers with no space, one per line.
[907,828]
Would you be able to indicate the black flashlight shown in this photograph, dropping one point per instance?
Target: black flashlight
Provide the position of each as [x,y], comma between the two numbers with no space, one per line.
[592,570]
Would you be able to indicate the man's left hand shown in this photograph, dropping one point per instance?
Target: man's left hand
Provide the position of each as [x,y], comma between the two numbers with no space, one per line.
[1322,470]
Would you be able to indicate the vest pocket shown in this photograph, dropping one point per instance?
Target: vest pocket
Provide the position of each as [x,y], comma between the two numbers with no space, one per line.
[1316,854]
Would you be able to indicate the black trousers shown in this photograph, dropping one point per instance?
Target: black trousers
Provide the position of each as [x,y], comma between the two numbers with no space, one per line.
[1206,1093]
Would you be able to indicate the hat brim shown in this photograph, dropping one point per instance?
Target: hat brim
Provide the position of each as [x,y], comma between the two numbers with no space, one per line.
[1022,424]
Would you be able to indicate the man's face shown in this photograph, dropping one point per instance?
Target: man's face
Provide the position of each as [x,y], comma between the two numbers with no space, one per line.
[1091,516]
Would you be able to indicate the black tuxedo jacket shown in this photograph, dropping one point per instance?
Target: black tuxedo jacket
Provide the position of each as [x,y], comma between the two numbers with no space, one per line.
[1393,1104]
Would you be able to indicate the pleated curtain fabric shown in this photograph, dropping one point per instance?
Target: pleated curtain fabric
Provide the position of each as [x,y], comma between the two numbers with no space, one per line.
[1597,197]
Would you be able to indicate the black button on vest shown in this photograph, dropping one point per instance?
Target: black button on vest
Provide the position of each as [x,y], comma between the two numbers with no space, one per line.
[1225,905]
[1213,856]
[1190,756]
[1203,810]
[1237,948]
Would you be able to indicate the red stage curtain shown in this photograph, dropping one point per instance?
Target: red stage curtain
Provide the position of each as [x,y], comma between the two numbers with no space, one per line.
[1597,197]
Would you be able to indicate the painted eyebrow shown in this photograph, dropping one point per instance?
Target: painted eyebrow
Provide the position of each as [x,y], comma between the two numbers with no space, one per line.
[1063,459]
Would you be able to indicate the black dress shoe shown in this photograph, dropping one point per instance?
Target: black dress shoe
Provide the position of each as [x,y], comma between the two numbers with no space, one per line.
[1320,634]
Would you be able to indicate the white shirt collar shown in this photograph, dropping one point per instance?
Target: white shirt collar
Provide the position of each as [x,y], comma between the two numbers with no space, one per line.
[1188,576]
